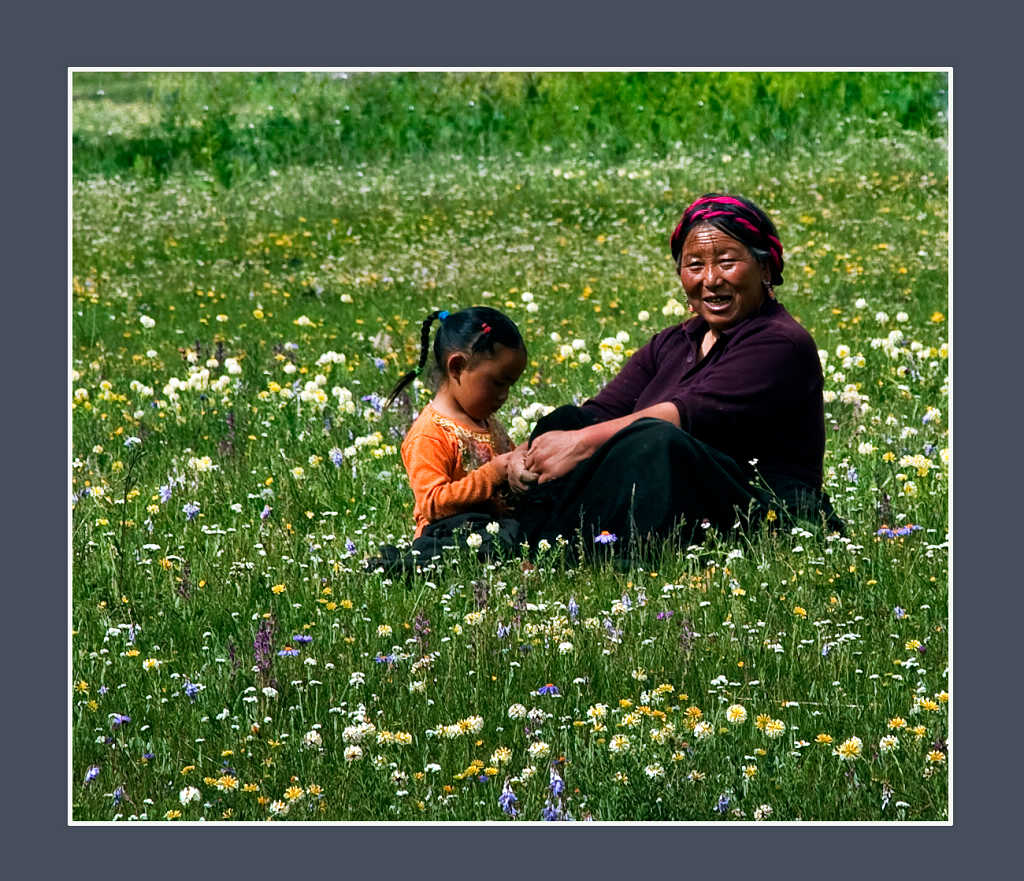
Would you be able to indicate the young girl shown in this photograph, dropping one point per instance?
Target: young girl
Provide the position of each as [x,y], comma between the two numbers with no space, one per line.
[456,454]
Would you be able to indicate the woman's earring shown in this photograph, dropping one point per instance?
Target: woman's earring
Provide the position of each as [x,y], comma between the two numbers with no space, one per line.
[768,289]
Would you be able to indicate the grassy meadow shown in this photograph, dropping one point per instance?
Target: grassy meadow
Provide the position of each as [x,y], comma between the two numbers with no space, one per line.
[248,282]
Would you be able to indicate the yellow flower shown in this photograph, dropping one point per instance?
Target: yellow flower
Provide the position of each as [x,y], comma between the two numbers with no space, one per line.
[294,792]
[277,589]
[823,738]
[774,728]
[82,686]
[150,664]
[172,815]
[937,318]
[936,756]
[749,771]
[800,611]
[850,748]
[762,720]
[897,722]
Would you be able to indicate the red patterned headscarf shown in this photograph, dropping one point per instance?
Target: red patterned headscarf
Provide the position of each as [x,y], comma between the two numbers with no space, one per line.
[738,218]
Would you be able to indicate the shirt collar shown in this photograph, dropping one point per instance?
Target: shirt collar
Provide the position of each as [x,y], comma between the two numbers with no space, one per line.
[696,327]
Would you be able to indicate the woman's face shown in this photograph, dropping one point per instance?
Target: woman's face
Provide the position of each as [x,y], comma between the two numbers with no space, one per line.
[724,282]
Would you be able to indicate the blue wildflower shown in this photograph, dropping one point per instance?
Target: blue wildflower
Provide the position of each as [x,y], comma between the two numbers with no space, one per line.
[380,364]
[91,774]
[574,610]
[288,652]
[507,800]
[302,637]
[548,689]
[265,513]
[191,510]
[118,795]
[165,492]
[723,803]
[132,441]
[899,613]
[350,546]
[557,784]
[375,401]
[192,689]
[117,720]
[504,630]
[604,537]
[102,690]
[550,813]
[147,757]
[336,456]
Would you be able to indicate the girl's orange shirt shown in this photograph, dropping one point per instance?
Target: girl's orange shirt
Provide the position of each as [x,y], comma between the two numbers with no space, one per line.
[450,468]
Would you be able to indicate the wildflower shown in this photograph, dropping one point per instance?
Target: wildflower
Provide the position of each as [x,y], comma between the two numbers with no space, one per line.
[763,812]
[507,800]
[190,510]
[919,731]
[288,652]
[605,537]
[823,738]
[278,807]
[384,630]
[749,771]
[302,637]
[703,730]
[774,728]
[548,689]
[501,756]
[849,749]
[91,773]
[312,739]
[538,749]
[147,322]
[723,803]
[897,722]
[899,613]
[619,744]
[150,664]
[517,711]
[189,794]
[800,611]
[269,691]
[353,753]
[172,814]
[574,610]
[936,757]
[889,743]
[265,513]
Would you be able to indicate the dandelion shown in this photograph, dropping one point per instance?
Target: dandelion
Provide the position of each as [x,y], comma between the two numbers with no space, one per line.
[936,757]
[172,814]
[749,771]
[774,728]
[619,744]
[703,730]
[538,749]
[889,743]
[823,738]
[850,749]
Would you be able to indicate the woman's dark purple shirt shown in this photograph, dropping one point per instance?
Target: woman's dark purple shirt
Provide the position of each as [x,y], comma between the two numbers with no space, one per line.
[756,395]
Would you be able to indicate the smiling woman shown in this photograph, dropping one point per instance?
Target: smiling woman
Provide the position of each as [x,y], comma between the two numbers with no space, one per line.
[715,421]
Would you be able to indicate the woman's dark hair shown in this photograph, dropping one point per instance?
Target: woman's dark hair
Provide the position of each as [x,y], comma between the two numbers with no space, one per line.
[738,218]
[473,331]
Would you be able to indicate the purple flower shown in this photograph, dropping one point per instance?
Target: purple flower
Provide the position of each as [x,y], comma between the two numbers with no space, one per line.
[191,690]
[191,510]
[604,537]
[548,689]
[165,493]
[288,652]
[265,513]
[118,794]
[504,630]
[574,610]
[336,456]
[375,401]
[851,474]
[91,774]
[899,613]
[102,690]
[557,784]
[350,546]
[117,720]
[507,800]
[302,637]
[664,616]
[385,659]
[147,757]
[627,602]
[380,364]
[723,803]
[550,813]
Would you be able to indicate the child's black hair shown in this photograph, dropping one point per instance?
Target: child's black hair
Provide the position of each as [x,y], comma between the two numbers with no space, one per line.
[472,331]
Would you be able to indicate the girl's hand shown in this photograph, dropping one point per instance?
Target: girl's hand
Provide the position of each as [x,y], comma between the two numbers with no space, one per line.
[519,477]
[555,453]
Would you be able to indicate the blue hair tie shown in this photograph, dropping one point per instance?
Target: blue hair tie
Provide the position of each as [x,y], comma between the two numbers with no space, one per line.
[443,314]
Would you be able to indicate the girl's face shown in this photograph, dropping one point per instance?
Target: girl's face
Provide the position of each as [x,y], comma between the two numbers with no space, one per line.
[481,386]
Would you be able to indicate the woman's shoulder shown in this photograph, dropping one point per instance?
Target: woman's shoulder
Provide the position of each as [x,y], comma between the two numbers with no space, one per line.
[775,321]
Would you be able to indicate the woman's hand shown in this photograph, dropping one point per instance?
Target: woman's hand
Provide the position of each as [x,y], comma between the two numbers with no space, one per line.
[520,478]
[555,453]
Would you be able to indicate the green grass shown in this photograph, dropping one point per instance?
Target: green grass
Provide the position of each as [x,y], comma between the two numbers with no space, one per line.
[347,257]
